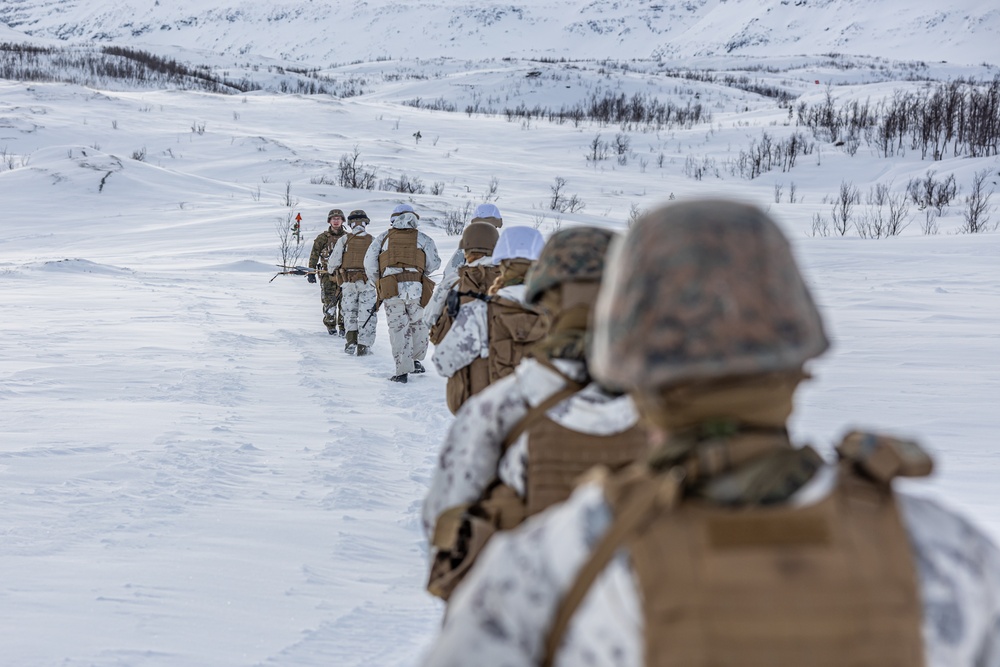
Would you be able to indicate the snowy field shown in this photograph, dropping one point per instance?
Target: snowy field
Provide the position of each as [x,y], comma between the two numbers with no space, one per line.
[191,470]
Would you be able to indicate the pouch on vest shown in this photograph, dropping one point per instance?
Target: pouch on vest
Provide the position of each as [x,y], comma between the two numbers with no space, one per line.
[387,287]
[883,457]
[426,290]
[461,533]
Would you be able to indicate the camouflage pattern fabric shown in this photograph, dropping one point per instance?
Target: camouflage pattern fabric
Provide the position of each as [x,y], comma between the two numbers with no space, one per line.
[407,332]
[333,316]
[575,255]
[702,290]
[356,300]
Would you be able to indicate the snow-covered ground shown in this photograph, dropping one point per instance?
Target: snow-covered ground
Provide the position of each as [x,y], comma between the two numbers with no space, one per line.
[191,470]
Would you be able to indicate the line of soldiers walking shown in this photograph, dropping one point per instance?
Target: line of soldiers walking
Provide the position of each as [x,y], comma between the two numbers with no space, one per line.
[618,486]
[359,273]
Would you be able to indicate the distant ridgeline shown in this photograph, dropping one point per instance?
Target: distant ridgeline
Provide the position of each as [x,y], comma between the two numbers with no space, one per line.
[117,67]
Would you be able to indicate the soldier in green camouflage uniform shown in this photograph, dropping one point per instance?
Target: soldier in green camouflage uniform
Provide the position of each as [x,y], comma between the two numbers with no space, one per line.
[329,289]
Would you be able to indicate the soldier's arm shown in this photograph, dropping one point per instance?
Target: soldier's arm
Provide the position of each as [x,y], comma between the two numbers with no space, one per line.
[467,340]
[501,614]
[371,258]
[336,255]
[314,255]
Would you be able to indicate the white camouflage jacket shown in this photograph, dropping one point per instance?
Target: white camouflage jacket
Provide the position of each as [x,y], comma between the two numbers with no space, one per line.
[470,457]
[439,299]
[469,336]
[432,261]
[502,612]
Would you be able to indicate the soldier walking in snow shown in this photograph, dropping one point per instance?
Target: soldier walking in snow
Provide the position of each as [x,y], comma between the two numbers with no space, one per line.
[500,327]
[472,280]
[488,213]
[730,545]
[516,447]
[399,262]
[358,295]
[329,290]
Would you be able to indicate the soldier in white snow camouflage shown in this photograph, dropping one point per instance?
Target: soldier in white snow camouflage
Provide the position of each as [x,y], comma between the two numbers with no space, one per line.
[730,545]
[516,447]
[358,294]
[399,262]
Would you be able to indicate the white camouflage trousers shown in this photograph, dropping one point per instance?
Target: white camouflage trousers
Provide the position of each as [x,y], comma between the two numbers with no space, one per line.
[407,332]
[356,300]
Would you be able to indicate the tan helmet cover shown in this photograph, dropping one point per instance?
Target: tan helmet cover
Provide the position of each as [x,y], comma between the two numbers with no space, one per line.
[702,290]
[570,255]
[479,236]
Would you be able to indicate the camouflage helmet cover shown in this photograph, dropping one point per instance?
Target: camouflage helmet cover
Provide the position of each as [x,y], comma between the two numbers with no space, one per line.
[479,236]
[571,255]
[702,290]
[358,216]
[333,212]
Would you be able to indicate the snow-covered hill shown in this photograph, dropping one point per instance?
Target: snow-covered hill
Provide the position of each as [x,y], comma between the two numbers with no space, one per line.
[340,31]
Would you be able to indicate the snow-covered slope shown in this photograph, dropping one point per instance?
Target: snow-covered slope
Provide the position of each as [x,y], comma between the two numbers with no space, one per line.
[339,31]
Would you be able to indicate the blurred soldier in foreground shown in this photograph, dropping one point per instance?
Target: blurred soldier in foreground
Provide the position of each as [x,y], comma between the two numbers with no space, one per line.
[329,290]
[399,262]
[500,327]
[730,546]
[358,295]
[472,280]
[518,446]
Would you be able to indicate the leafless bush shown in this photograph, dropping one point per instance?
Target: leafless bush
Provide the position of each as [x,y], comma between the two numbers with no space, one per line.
[622,146]
[404,184]
[777,193]
[843,207]
[289,201]
[354,174]
[437,188]
[139,154]
[598,150]
[977,206]
[454,220]
[820,226]
[289,240]
[491,190]
[559,201]
[930,192]
[930,224]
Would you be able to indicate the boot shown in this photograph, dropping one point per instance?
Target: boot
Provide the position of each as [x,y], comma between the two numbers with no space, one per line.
[417,367]
[398,378]
[363,350]
[352,342]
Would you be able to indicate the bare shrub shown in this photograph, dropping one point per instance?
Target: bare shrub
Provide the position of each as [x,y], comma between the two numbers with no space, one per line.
[455,219]
[354,174]
[977,206]
[843,207]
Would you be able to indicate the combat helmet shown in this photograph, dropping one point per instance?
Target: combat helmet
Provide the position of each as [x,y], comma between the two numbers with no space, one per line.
[698,291]
[571,255]
[333,212]
[358,216]
[488,213]
[479,237]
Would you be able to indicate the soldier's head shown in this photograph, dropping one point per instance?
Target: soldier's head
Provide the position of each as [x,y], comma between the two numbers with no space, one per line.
[478,240]
[568,273]
[403,217]
[358,220]
[488,213]
[335,218]
[701,302]
[515,252]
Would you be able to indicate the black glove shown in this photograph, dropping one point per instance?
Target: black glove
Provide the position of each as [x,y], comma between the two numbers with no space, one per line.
[311,277]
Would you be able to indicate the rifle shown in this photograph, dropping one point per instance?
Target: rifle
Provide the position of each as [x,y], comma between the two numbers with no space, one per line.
[294,271]
[371,313]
